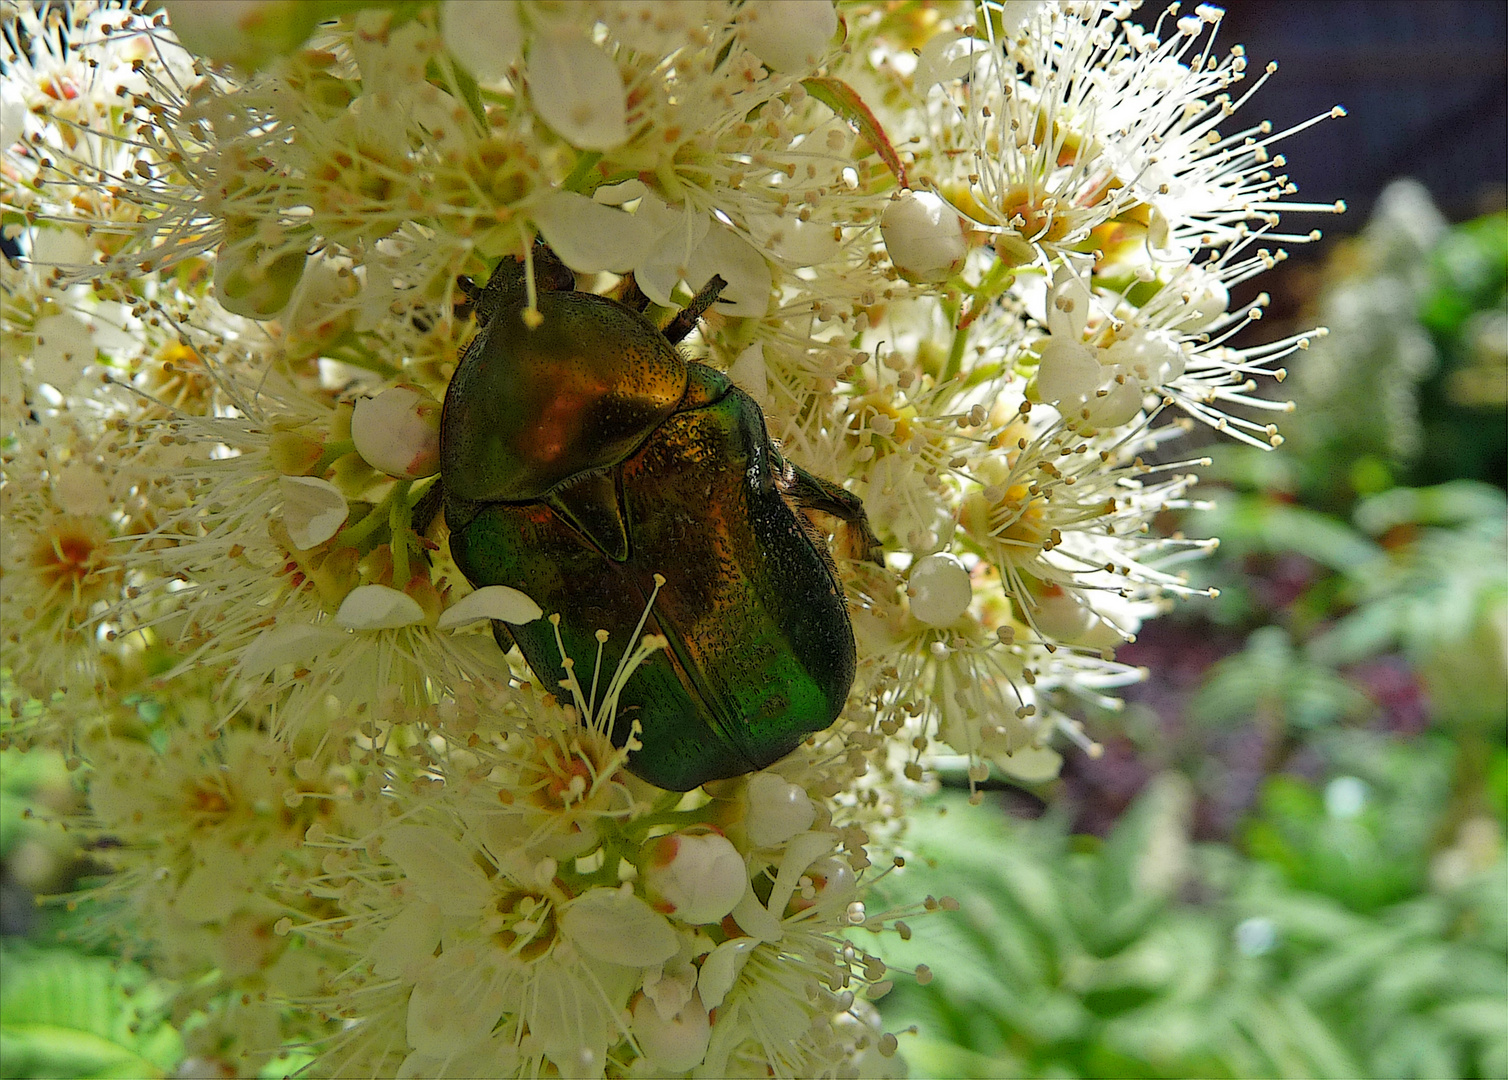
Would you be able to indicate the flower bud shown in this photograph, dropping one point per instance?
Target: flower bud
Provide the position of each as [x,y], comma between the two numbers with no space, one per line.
[789,36]
[398,432]
[676,1044]
[696,876]
[1060,616]
[257,270]
[939,589]
[924,237]
[778,810]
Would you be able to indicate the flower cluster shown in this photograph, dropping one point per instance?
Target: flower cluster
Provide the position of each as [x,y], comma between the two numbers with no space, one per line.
[977,263]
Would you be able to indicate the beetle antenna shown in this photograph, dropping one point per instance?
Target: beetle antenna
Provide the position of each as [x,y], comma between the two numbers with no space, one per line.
[685,319]
[428,506]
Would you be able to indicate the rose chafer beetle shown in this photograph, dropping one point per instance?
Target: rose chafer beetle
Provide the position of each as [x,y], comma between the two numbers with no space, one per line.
[583,456]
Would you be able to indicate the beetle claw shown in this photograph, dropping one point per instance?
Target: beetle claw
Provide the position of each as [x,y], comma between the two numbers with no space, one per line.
[685,319]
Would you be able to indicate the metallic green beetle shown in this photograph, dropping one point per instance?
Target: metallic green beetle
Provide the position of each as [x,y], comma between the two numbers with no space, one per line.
[584,456]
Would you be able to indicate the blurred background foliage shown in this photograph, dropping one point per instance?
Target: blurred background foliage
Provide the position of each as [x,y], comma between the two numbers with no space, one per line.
[1289,861]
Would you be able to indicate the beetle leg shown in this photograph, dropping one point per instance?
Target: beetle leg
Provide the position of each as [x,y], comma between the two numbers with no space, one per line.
[630,295]
[808,492]
[424,511]
[685,319]
[469,291]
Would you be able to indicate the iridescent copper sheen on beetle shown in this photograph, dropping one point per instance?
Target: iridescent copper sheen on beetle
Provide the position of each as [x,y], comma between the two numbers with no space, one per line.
[584,456]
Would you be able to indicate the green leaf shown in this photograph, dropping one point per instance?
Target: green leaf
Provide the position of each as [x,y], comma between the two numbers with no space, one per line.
[844,100]
[67,1015]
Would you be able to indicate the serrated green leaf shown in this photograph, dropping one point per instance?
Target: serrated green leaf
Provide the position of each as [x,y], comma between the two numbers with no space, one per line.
[67,1015]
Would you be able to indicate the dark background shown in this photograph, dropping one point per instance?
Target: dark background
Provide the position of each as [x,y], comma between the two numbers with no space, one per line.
[1425,83]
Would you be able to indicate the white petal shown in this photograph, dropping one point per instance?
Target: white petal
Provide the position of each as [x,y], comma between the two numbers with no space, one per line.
[1118,407]
[495,1056]
[750,374]
[946,57]
[378,607]
[618,194]
[741,265]
[1068,305]
[483,35]
[676,1044]
[64,346]
[457,1002]
[490,602]
[12,114]
[801,852]
[678,232]
[1069,372]
[214,888]
[313,510]
[591,237]
[81,491]
[620,928]
[755,919]
[800,243]
[790,36]
[720,969]
[291,643]
[407,942]
[440,867]
[568,1013]
[58,247]
[575,87]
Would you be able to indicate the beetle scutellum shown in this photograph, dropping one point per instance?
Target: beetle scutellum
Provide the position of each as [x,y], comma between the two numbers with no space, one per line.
[583,456]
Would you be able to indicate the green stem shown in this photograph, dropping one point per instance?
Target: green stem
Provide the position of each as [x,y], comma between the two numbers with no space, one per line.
[960,343]
[333,450]
[358,355]
[364,528]
[576,181]
[398,520]
[678,818]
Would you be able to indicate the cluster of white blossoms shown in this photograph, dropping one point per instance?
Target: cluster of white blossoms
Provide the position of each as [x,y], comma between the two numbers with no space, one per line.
[978,262]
